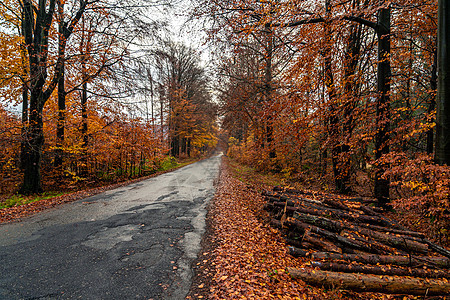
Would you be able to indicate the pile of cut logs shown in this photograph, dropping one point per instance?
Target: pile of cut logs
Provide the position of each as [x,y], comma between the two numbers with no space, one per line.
[351,245]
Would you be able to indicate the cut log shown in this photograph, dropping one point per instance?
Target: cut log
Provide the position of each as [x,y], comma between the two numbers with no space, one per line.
[395,231]
[320,243]
[276,224]
[327,234]
[373,283]
[399,260]
[297,243]
[321,222]
[380,270]
[298,252]
[387,222]
[356,199]
[376,247]
[393,240]
[332,212]
[437,248]
[272,199]
[368,210]
[268,207]
[338,205]
[312,201]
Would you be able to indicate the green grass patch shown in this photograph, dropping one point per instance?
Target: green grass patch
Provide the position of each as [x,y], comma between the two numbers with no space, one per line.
[17,200]
[168,163]
[171,162]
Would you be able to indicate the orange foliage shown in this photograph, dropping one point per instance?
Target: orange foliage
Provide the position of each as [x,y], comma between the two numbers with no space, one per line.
[322,110]
[9,151]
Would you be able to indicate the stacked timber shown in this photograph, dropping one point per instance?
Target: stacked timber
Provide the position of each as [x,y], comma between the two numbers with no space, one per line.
[350,244]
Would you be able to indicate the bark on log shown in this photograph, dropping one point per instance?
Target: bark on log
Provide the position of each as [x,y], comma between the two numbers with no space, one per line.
[312,201]
[392,230]
[276,224]
[327,234]
[332,212]
[376,247]
[387,222]
[321,222]
[398,242]
[272,199]
[373,283]
[297,243]
[298,252]
[315,240]
[338,205]
[380,270]
[437,248]
[399,260]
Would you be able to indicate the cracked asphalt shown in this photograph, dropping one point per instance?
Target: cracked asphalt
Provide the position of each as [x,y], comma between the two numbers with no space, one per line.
[134,242]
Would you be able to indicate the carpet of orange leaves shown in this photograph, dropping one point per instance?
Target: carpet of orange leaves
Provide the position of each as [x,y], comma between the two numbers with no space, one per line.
[249,258]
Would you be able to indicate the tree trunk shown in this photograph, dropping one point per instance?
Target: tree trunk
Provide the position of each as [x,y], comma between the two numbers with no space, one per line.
[373,283]
[175,146]
[268,89]
[442,153]
[381,188]
[184,145]
[340,177]
[25,125]
[432,105]
[60,124]
[33,147]
[84,118]
[36,38]
[189,147]
[84,114]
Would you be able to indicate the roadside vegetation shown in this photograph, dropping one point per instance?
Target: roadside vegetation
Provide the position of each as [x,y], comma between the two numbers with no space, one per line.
[17,206]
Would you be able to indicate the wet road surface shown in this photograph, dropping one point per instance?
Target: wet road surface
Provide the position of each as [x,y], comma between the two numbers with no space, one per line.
[134,242]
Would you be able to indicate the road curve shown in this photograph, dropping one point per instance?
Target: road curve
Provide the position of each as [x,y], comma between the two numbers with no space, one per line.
[134,242]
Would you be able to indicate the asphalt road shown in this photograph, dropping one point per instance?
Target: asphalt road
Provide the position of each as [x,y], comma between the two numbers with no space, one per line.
[134,242]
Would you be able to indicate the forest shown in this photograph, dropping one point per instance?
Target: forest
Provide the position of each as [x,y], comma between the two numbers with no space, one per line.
[93,92]
[349,95]
[343,95]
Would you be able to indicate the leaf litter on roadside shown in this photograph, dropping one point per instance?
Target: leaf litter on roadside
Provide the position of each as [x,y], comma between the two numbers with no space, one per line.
[250,258]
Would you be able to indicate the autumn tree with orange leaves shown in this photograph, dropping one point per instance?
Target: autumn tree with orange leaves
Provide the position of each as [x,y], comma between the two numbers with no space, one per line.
[190,112]
[356,90]
[74,69]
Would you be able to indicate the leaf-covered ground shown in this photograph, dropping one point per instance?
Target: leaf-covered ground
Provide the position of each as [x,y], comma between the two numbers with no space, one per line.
[243,257]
